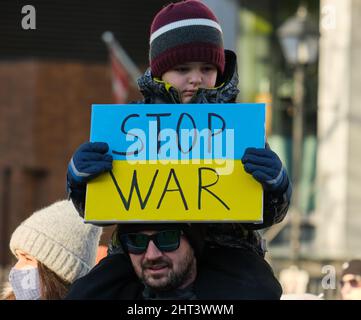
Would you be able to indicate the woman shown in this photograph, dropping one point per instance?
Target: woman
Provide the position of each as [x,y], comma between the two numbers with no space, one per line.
[54,248]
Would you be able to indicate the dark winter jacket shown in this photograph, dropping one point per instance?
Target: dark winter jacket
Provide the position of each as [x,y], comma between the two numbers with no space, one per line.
[252,279]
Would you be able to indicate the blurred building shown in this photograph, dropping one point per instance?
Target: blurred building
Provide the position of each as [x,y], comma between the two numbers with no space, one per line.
[49,77]
[330,184]
[339,133]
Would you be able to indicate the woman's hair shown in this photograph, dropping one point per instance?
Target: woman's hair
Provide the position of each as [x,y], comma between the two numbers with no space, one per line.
[7,292]
[52,287]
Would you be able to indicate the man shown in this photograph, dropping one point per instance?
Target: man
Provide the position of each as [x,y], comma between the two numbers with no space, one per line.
[351,280]
[171,261]
[163,256]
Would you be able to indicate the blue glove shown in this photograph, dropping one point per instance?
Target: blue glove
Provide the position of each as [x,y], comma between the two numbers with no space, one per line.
[88,161]
[266,167]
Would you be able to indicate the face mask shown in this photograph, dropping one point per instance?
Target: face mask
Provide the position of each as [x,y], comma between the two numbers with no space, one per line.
[25,283]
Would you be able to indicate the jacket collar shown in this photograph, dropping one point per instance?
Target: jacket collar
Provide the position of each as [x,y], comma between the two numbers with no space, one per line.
[155,91]
[175,294]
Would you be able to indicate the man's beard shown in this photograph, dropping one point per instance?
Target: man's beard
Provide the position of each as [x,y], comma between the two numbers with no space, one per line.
[175,278]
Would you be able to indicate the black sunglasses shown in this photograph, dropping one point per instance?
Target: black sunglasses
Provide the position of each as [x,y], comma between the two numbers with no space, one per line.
[354,283]
[166,241]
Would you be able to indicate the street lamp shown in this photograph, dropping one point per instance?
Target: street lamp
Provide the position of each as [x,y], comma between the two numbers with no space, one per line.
[298,36]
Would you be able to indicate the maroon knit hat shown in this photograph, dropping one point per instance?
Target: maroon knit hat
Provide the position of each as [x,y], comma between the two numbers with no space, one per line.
[186,31]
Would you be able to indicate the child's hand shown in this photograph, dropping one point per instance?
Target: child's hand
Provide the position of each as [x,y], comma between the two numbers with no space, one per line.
[266,167]
[88,161]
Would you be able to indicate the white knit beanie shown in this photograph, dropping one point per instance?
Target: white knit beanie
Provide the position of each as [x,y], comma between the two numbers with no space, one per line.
[57,237]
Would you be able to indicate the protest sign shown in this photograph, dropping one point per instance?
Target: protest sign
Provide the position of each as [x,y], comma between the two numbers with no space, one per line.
[176,163]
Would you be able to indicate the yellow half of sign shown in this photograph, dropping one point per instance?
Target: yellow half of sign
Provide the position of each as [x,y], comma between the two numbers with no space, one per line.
[198,190]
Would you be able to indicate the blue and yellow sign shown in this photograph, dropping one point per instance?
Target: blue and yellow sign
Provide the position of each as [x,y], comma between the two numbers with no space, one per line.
[176,163]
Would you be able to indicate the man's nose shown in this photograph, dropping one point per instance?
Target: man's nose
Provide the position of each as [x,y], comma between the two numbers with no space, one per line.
[152,251]
[346,287]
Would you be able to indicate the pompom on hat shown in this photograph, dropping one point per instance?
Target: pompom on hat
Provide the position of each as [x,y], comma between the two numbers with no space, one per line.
[57,237]
[352,267]
[186,31]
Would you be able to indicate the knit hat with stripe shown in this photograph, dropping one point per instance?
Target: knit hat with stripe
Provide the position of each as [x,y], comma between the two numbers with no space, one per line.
[185,31]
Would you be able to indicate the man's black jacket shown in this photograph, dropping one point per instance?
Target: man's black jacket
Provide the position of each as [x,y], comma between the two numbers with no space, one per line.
[252,279]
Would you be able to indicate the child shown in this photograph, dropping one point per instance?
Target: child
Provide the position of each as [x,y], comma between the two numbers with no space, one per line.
[188,64]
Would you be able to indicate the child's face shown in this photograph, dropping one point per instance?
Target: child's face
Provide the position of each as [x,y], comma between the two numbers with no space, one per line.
[188,77]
